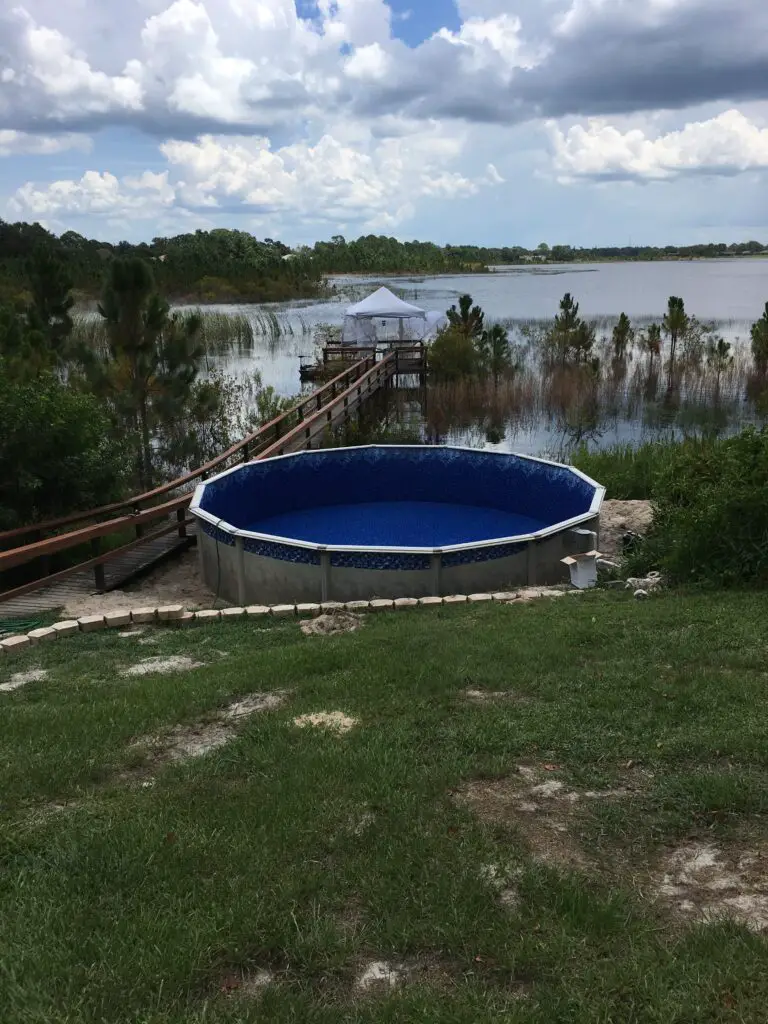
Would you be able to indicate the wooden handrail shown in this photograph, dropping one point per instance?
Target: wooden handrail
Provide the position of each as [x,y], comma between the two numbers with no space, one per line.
[291,436]
[75,538]
[63,541]
[138,500]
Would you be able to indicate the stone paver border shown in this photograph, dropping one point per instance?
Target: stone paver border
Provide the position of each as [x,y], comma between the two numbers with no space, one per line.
[177,615]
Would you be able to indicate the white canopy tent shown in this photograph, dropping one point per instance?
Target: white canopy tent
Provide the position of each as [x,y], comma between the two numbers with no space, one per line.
[382,317]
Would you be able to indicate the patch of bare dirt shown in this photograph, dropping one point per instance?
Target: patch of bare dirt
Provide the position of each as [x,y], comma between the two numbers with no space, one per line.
[542,807]
[331,624]
[246,984]
[187,741]
[493,696]
[620,517]
[19,679]
[704,882]
[152,666]
[503,880]
[381,977]
[334,721]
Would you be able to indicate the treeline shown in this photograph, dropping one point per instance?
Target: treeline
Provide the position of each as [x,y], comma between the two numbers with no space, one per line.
[378,254]
[205,266]
[710,250]
[95,410]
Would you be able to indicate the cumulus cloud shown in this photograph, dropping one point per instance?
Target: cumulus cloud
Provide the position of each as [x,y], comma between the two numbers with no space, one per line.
[364,181]
[182,67]
[97,193]
[723,145]
[13,143]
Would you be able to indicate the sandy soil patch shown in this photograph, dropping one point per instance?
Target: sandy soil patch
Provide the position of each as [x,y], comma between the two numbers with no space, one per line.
[176,582]
[247,984]
[620,517]
[542,807]
[492,696]
[334,721]
[19,679]
[704,882]
[331,624]
[503,880]
[151,666]
[187,741]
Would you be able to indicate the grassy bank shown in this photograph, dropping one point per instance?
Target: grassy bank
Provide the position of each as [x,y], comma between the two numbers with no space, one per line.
[261,881]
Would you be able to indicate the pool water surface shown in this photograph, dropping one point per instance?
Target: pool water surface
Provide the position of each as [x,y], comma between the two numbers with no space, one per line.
[410,524]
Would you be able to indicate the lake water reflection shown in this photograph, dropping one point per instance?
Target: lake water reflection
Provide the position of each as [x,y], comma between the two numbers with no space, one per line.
[730,294]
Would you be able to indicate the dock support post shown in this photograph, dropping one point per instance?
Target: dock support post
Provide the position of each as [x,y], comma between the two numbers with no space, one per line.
[325,576]
[240,553]
[436,566]
[98,570]
[531,563]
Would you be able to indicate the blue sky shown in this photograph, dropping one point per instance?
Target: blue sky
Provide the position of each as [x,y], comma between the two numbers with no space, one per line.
[489,121]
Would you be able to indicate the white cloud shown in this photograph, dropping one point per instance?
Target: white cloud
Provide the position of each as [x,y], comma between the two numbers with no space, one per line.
[97,193]
[725,144]
[352,179]
[13,143]
[368,62]
[49,72]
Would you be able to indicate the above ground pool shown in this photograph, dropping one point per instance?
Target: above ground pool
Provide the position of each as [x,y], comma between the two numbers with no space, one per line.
[346,524]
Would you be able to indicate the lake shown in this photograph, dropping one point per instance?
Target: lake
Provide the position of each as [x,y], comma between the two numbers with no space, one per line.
[730,294]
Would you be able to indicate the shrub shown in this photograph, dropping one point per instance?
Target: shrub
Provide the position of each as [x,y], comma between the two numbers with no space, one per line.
[57,453]
[710,512]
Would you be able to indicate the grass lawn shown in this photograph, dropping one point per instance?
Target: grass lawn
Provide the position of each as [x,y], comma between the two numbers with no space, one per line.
[542,814]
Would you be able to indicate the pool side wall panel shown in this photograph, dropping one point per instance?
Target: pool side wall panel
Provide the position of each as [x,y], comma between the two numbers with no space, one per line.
[274,581]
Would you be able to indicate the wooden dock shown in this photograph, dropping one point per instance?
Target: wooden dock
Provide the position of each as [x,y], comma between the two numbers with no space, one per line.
[157,522]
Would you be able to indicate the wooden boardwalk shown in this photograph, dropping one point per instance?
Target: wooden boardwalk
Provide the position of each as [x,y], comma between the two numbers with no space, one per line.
[117,572]
[161,514]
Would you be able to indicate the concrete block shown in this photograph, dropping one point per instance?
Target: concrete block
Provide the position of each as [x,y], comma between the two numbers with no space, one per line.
[257,611]
[144,615]
[12,644]
[430,602]
[233,613]
[358,606]
[380,605]
[90,623]
[117,619]
[455,599]
[479,598]
[505,595]
[170,612]
[38,636]
[402,603]
[209,615]
[66,628]
[308,611]
[284,611]
[331,606]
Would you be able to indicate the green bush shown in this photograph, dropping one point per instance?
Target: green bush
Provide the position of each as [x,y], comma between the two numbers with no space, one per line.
[710,513]
[57,452]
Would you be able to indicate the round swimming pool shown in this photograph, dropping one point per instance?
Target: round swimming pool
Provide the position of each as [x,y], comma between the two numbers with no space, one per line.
[346,524]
